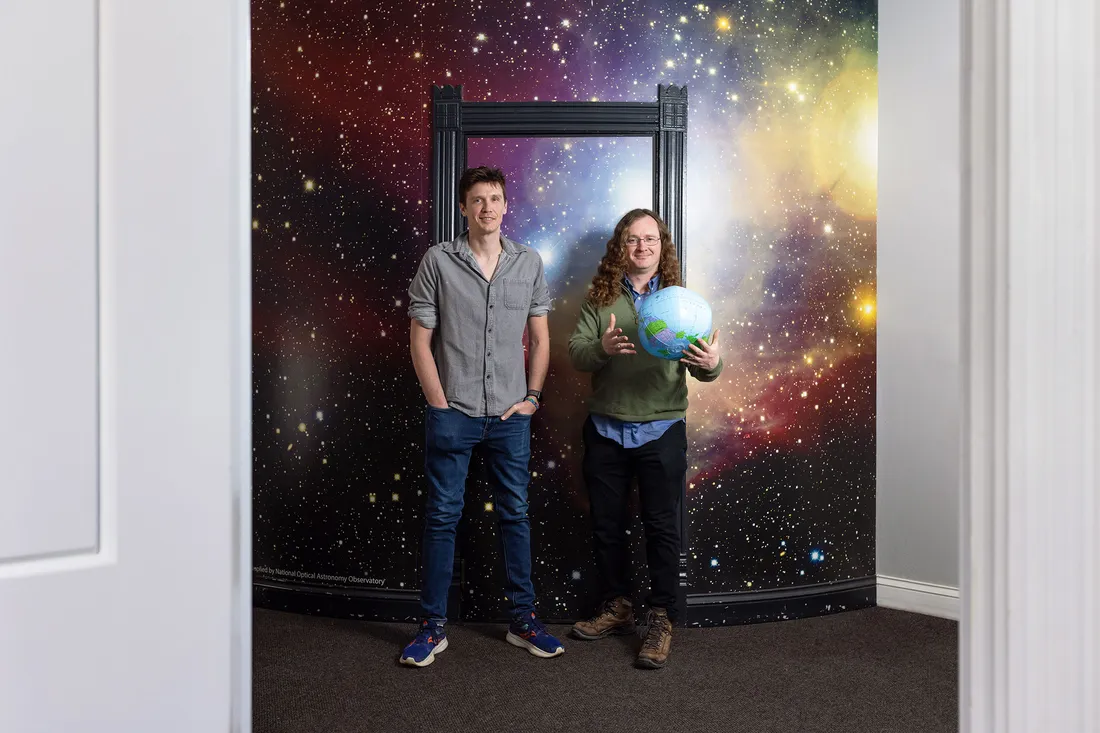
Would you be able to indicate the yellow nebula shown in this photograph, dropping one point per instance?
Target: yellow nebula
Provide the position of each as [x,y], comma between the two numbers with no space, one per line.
[845,138]
[775,162]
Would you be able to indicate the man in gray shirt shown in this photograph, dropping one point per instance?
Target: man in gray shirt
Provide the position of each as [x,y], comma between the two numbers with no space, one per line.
[468,304]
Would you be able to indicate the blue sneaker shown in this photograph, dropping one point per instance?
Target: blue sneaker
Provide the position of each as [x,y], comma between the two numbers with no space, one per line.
[429,641]
[531,635]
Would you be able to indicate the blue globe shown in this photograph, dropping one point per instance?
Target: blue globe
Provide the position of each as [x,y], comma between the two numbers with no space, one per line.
[671,319]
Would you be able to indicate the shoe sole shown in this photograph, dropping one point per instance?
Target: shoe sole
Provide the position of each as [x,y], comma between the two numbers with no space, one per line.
[428,659]
[613,631]
[649,664]
[524,644]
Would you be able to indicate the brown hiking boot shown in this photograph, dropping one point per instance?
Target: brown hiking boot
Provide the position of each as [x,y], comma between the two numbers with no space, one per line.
[615,617]
[657,642]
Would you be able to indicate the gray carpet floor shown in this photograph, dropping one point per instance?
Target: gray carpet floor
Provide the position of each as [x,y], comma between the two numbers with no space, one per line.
[876,670]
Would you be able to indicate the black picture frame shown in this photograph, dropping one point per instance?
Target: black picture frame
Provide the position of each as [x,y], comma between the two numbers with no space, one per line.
[454,121]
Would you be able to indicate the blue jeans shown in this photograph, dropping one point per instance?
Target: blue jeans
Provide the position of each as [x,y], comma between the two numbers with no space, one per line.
[450,439]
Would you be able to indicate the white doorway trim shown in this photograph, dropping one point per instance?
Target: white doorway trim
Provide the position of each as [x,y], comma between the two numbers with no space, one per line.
[1028,632]
[241,654]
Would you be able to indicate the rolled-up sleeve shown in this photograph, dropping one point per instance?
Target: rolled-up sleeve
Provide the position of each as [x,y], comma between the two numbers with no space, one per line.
[423,305]
[540,293]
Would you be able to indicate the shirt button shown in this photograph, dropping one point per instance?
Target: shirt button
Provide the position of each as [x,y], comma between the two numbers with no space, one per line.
[490,305]
[488,353]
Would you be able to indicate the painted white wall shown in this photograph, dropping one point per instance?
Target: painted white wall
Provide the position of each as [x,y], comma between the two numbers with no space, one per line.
[919,373]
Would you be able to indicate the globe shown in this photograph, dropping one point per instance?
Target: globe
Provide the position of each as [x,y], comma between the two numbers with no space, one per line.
[671,319]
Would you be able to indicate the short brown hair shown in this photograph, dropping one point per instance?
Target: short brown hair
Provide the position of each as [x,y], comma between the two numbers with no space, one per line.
[474,176]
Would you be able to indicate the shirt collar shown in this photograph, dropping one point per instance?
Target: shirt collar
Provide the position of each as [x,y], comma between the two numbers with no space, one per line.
[462,243]
[654,282]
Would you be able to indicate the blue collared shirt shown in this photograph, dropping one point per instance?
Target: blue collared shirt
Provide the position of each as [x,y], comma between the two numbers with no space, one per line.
[633,434]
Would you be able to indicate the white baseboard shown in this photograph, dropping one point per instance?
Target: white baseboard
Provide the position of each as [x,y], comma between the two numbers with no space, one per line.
[917,597]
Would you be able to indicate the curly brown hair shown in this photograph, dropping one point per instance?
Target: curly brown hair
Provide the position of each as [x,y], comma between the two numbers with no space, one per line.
[606,284]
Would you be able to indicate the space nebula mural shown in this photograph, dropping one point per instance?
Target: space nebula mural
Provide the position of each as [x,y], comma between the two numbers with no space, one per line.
[779,236]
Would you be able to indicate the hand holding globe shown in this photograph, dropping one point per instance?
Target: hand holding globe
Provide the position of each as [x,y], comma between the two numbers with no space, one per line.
[703,354]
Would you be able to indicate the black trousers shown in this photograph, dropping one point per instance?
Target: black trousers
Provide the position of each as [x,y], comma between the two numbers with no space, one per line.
[660,467]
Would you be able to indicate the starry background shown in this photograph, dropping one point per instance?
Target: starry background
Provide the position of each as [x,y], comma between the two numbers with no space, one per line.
[780,181]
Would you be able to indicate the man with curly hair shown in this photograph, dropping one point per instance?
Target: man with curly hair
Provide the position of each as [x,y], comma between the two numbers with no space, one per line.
[635,429]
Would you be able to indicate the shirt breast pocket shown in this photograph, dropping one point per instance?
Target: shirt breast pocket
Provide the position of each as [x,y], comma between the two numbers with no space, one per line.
[517,294]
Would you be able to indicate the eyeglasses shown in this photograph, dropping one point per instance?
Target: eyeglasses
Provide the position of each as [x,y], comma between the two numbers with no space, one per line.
[635,241]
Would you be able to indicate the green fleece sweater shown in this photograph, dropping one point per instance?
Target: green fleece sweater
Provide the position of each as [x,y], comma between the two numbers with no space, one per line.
[631,387]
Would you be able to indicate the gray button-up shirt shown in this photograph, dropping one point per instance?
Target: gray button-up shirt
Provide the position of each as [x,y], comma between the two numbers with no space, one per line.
[477,324]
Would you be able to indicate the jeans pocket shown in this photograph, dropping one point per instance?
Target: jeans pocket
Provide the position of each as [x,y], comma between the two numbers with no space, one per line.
[438,428]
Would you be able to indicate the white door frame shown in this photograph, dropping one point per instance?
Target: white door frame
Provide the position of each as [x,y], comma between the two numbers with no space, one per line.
[241,674]
[1029,577]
